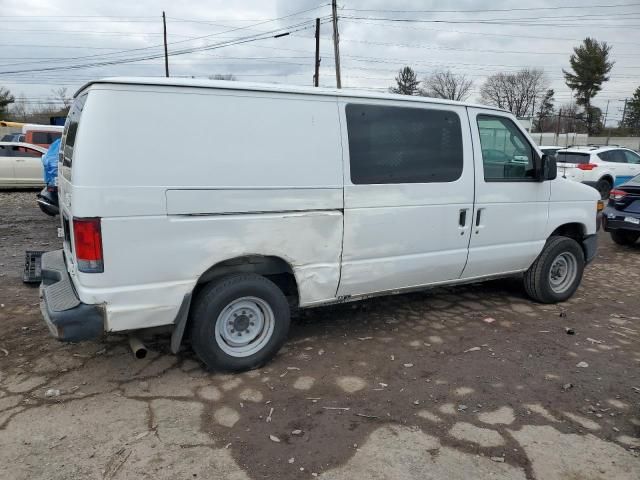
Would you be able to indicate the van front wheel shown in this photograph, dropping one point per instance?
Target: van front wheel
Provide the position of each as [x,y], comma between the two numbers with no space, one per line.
[239,322]
[557,272]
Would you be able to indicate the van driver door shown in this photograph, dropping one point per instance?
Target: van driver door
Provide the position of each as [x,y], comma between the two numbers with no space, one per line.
[511,205]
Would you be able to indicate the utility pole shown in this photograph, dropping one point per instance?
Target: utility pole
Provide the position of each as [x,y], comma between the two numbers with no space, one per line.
[533,114]
[624,111]
[558,127]
[166,54]
[604,123]
[316,76]
[336,40]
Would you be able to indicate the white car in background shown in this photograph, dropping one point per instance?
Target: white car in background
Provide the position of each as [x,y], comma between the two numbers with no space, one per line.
[21,165]
[601,167]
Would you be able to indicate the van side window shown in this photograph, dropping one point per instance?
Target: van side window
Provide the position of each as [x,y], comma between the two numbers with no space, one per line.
[507,156]
[71,129]
[403,145]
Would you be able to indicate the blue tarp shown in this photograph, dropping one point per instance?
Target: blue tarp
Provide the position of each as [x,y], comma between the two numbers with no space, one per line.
[50,163]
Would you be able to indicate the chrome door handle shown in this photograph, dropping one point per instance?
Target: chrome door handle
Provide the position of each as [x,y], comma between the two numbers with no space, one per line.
[478,219]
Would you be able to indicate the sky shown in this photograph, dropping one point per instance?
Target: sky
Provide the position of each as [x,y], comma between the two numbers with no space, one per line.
[45,45]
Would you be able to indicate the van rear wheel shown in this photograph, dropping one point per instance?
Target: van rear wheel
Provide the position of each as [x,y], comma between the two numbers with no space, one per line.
[239,322]
[556,273]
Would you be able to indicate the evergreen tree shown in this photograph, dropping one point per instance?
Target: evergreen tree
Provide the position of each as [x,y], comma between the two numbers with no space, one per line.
[590,65]
[5,99]
[632,113]
[406,82]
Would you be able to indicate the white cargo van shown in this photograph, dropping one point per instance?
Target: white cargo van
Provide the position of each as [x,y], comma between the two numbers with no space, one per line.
[288,197]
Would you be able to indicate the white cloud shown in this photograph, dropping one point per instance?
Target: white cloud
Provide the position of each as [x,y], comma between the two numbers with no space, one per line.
[372,51]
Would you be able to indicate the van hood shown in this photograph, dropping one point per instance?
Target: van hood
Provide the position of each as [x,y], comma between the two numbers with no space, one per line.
[564,190]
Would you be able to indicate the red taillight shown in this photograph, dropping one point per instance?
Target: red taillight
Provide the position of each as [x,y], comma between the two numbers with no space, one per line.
[587,166]
[617,194]
[87,237]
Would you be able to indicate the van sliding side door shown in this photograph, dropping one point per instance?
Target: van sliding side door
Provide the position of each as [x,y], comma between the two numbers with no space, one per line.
[408,194]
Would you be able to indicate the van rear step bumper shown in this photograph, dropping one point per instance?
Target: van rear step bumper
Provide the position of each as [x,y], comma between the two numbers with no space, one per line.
[67,317]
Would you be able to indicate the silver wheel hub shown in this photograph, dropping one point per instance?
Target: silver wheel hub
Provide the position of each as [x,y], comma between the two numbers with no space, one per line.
[563,272]
[244,326]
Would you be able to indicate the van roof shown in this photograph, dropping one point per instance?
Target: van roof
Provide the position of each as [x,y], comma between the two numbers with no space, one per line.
[273,87]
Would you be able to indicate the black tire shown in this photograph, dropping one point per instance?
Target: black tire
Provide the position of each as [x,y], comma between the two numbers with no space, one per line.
[218,295]
[604,187]
[537,282]
[624,237]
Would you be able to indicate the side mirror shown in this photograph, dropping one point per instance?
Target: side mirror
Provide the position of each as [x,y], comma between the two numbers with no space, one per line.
[548,168]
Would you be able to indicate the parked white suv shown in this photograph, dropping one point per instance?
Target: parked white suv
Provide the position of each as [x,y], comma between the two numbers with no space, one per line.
[282,197]
[601,167]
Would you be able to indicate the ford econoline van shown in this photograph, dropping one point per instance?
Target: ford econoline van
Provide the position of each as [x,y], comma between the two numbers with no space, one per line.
[279,198]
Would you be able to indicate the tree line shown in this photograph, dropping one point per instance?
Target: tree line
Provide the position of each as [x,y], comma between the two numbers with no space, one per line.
[526,93]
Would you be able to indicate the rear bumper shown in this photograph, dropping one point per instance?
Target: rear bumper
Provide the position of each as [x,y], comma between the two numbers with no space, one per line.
[67,317]
[590,247]
[615,220]
[48,202]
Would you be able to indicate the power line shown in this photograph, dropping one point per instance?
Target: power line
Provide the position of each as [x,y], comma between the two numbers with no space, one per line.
[251,38]
[580,7]
[522,23]
[486,34]
[431,47]
[234,29]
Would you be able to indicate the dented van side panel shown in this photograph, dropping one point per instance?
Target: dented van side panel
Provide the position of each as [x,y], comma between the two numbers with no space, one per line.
[144,283]
[253,173]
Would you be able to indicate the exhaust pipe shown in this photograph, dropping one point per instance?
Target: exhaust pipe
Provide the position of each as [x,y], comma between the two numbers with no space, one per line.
[137,347]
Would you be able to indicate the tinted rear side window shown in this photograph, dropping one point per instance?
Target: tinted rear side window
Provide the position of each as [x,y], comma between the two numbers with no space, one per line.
[71,129]
[403,145]
[570,157]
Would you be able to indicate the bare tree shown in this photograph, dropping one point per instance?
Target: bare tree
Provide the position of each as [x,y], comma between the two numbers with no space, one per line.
[19,109]
[448,85]
[571,119]
[517,92]
[60,94]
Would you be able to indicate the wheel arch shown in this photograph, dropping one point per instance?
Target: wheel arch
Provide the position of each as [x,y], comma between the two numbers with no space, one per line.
[575,230]
[578,232]
[275,268]
[272,267]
